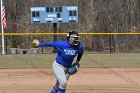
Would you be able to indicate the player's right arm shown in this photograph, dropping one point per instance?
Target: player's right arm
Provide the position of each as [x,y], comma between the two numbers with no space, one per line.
[44,44]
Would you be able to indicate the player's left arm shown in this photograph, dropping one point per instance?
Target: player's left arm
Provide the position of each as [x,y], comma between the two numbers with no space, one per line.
[75,66]
[80,53]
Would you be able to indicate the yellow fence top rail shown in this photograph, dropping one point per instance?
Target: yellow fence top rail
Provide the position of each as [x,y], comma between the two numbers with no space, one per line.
[30,34]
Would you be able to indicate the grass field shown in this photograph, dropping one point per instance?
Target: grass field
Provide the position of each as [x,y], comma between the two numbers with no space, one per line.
[99,73]
[88,60]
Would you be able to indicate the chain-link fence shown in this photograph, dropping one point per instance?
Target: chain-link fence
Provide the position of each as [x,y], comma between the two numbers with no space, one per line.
[92,43]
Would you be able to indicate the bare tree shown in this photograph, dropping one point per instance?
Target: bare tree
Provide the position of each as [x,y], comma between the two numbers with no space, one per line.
[94,16]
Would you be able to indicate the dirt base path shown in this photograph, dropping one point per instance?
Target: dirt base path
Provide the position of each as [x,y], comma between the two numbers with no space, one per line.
[87,80]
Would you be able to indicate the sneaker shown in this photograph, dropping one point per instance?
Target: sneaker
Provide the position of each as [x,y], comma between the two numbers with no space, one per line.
[54,90]
[61,90]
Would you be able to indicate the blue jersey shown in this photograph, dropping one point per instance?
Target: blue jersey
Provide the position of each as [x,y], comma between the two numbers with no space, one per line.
[66,52]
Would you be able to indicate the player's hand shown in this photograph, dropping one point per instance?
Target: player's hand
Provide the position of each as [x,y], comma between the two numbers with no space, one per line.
[36,42]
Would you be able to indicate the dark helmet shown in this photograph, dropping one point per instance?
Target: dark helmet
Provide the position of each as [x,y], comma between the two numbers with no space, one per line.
[73,37]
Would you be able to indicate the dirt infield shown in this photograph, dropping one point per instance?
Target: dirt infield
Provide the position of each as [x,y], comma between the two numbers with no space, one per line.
[87,80]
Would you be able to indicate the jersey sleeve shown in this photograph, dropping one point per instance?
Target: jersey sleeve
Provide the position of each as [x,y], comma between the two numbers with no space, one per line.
[81,49]
[47,44]
[80,52]
[50,44]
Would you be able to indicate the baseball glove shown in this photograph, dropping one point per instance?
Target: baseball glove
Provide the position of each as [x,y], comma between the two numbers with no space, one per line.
[73,69]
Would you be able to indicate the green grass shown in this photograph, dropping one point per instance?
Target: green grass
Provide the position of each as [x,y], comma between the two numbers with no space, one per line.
[88,60]
[26,61]
[111,60]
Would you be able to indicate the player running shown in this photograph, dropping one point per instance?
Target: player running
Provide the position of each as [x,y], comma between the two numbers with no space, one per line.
[63,65]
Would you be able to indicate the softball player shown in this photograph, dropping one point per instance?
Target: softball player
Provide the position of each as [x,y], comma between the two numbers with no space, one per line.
[63,65]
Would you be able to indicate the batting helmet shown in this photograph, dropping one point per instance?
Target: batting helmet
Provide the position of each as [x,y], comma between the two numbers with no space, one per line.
[73,37]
